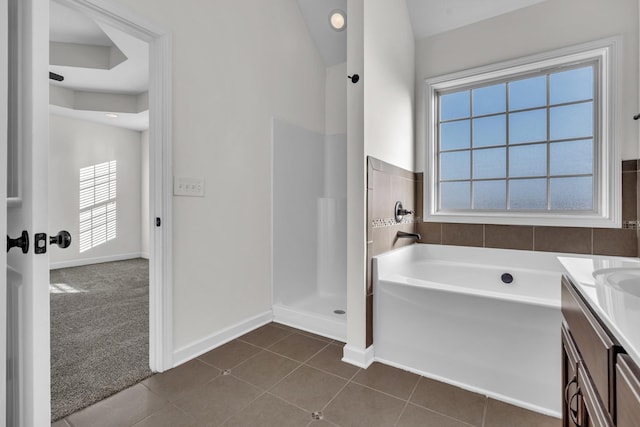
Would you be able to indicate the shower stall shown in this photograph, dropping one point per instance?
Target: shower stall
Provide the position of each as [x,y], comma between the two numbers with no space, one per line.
[309,230]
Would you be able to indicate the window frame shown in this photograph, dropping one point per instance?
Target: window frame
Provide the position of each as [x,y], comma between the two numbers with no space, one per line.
[607,154]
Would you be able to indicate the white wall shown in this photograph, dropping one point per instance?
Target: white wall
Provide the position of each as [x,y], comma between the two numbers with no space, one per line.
[75,144]
[542,27]
[380,124]
[389,82]
[144,193]
[236,65]
[336,99]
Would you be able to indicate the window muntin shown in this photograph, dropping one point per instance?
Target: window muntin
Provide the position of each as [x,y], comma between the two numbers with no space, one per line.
[98,184]
[527,129]
[529,124]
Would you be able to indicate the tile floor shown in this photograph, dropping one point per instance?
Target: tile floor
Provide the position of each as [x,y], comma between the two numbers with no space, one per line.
[279,376]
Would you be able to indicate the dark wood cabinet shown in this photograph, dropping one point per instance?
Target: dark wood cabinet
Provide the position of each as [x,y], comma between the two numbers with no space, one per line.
[601,384]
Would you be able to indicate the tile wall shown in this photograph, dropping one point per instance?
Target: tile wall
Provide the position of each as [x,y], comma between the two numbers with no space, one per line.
[387,184]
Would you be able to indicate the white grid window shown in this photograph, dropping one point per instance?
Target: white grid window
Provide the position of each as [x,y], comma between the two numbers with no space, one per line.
[97,204]
[526,142]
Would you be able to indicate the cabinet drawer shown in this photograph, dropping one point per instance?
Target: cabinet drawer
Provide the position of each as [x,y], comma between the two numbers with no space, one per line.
[627,392]
[595,411]
[595,345]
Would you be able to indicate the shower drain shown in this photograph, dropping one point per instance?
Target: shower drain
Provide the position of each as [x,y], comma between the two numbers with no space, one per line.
[339,311]
[316,415]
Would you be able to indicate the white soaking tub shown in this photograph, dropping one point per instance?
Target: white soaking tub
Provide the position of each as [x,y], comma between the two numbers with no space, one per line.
[445,312]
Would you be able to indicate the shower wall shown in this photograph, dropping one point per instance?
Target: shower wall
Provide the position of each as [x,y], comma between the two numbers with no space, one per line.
[309,202]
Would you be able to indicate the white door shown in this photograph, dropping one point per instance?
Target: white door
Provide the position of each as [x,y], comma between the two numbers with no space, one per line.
[28,381]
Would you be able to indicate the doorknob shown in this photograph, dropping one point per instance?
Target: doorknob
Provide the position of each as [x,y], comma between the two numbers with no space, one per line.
[62,239]
[20,242]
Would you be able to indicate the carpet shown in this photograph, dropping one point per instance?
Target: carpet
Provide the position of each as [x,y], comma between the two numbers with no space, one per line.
[99,332]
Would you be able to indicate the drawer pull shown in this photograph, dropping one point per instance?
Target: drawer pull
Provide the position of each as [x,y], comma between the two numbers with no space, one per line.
[573,413]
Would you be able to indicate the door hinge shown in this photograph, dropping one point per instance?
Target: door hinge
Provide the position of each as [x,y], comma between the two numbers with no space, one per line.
[158,222]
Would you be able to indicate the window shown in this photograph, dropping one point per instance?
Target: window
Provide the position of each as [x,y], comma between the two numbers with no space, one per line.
[97,205]
[526,142]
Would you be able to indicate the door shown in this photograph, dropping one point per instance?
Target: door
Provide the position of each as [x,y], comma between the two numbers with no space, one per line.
[28,394]
[4,78]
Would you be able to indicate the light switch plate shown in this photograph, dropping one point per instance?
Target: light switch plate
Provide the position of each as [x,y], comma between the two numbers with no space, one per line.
[190,187]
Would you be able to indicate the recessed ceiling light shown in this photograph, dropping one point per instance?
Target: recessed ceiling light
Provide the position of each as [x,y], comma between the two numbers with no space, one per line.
[338,20]
[112,115]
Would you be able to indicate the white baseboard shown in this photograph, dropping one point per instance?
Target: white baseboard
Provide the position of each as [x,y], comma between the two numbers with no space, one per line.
[355,356]
[97,260]
[204,345]
[144,255]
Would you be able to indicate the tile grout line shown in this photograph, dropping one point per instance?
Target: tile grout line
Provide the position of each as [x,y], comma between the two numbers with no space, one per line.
[484,414]
[407,402]
[341,389]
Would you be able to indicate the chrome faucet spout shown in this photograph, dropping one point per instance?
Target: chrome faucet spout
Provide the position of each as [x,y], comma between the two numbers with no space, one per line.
[408,235]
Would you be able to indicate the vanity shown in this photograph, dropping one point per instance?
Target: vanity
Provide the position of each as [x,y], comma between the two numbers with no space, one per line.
[601,342]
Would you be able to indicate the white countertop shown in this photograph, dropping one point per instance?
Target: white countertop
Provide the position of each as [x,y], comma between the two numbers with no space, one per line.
[618,310]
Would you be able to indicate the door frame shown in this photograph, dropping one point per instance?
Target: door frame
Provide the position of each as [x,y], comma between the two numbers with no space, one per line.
[4,85]
[160,168]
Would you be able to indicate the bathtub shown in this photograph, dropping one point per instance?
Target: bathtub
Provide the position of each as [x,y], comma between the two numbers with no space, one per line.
[444,312]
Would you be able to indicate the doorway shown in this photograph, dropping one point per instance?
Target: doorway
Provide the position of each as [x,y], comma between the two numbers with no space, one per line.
[28,399]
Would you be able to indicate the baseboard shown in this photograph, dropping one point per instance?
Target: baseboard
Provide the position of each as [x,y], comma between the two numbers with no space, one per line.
[355,356]
[204,345]
[96,260]
[144,255]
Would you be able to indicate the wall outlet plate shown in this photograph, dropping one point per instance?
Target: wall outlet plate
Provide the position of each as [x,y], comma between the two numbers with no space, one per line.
[190,187]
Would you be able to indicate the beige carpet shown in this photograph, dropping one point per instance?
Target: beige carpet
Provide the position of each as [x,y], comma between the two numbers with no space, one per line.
[99,332]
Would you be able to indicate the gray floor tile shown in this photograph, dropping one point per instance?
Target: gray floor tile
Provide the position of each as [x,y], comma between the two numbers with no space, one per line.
[122,409]
[415,416]
[218,400]
[230,354]
[298,347]
[170,416]
[265,369]
[357,406]
[330,360]
[309,388]
[265,335]
[177,381]
[500,414]
[449,400]
[268,410]
[388,379]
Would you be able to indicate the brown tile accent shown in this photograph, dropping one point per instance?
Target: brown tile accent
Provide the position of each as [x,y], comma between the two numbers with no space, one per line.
[500,414]
[298,347]
[629,196]
[629,165]
[308,388]
[268,410]
[508,237]
[449,400]
[369,331]
[356,405]
[229,355]
[615,241]
[390,169]
[462,234]
[419,197]
[388,379]
[430,232]
[382,201]
[265,336]
[415,416]
[134,404]
[382,240]
[562,239]
[177,381]
[330,360]
[218,400]
[60,423]
[170,416]
[265,369]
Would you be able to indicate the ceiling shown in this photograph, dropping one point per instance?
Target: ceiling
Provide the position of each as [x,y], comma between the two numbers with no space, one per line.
[96,59]
[431,17]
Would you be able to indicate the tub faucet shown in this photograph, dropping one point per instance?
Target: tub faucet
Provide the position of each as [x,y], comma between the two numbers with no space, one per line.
[408,235]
